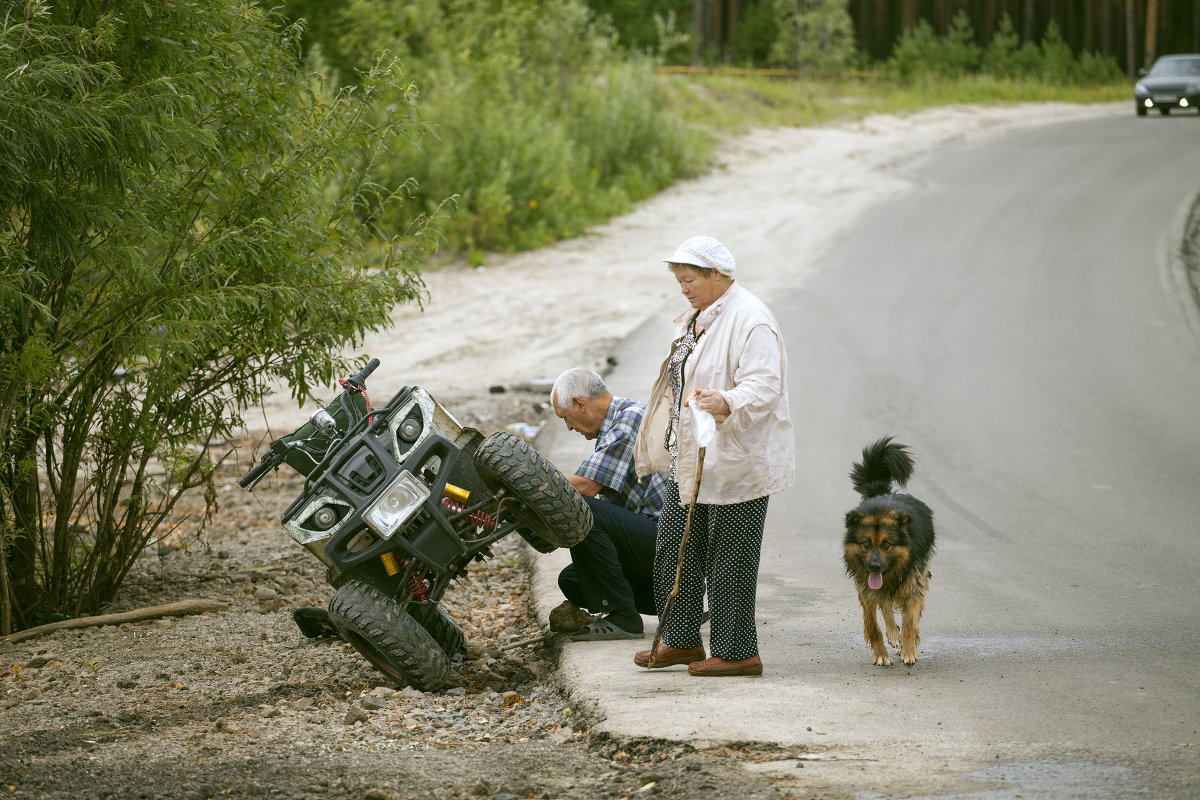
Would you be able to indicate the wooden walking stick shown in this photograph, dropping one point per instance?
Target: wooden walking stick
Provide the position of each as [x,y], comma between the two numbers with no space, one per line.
[687,532]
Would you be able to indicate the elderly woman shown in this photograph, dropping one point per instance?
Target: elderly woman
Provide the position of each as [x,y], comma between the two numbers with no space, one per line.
[728,358]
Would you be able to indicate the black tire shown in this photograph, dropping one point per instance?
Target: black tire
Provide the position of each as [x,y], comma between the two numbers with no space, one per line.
[439,625]
[535,541]
[1140,109]
[388,636]
[559,517]
[314,622]
[1164,110]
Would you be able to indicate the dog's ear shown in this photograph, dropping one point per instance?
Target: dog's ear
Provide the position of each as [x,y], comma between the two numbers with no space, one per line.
[853,518]
[902,520]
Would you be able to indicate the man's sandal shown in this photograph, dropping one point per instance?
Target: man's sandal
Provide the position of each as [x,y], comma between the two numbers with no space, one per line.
[601,630]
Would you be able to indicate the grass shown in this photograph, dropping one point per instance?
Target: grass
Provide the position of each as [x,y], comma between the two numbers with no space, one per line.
[713,106]
[727,103]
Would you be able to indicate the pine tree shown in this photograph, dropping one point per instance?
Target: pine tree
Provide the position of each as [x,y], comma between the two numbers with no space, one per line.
[814,35]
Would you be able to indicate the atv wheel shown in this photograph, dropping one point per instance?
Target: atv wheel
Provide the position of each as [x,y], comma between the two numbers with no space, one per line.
[387,636]
[438,624]
[535,541]
[558,515]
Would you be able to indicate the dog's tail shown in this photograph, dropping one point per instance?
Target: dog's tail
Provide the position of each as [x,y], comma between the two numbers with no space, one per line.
[884,462]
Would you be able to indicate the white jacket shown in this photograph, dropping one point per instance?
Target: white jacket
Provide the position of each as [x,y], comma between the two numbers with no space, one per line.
[742,355]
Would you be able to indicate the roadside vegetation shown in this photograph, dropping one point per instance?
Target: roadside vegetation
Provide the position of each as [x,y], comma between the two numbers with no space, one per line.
[544,117]
[198,202]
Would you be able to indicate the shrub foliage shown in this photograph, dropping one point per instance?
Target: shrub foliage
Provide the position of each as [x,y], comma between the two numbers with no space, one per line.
[540,124]
[921,55]
[183,217]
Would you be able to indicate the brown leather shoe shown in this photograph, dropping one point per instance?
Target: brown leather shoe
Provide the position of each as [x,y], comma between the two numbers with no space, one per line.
[720,668]
[667,656]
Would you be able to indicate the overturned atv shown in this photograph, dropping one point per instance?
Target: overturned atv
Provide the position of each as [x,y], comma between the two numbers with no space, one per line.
[397,502]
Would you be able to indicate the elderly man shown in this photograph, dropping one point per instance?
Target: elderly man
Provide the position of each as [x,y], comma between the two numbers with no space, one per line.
[612,569]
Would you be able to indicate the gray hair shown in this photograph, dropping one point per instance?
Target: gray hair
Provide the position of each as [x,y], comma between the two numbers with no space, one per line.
[577,382]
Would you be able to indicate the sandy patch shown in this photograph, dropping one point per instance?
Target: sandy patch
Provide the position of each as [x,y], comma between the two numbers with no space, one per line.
[777,198]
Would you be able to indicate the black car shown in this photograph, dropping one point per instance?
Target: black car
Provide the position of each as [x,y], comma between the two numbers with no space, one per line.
[1171,82]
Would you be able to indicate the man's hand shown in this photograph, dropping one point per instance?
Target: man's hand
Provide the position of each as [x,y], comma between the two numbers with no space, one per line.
[586,486]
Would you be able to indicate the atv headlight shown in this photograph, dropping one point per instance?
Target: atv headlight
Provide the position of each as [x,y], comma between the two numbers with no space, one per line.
[396,505]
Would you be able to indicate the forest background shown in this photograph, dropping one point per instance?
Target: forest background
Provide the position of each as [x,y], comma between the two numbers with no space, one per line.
[201,201]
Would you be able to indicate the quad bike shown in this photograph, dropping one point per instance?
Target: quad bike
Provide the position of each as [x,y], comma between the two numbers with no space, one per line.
[397,502]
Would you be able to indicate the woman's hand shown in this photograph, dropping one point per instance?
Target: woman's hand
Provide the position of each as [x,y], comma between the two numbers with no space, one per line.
[712,401]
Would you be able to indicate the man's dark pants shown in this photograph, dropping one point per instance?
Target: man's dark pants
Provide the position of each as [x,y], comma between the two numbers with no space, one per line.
[613,567]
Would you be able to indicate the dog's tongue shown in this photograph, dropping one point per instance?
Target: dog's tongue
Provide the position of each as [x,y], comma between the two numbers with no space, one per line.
[875,580]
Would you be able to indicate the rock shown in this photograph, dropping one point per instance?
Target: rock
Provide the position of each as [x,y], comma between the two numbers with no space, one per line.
[568,618]
[561,736]
[378,794]
[372,703]
[356,714]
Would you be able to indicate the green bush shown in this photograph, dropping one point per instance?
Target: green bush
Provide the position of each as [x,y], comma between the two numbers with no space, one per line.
[182,226]
[812,35]
[922,55]
[540,123]
[754,35]
[1006,57]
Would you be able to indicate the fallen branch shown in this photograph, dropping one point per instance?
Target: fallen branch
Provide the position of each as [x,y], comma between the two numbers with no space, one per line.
[525,642]
[180,608]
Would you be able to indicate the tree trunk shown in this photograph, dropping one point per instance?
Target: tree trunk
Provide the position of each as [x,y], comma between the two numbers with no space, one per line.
[908,16]
[1027,23]
[26,529]
[1106,28]
[1130,41]
[1151,32]
[1089,24]
[700,12]
[6,625]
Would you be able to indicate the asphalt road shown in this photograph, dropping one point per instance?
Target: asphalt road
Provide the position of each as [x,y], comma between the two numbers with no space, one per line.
[1017,319]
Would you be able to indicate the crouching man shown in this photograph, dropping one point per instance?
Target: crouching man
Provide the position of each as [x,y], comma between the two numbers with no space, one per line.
[611,570]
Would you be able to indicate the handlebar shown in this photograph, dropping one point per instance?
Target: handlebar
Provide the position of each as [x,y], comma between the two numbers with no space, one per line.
[257,471]
[359,378]
[275,456]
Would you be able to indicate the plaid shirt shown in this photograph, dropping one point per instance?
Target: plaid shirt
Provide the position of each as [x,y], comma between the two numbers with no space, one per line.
[611,465]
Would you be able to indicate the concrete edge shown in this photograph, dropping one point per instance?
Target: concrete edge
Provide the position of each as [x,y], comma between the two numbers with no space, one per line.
[1180,264]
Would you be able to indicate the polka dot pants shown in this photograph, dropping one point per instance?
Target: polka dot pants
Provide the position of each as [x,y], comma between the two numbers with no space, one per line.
[722,553]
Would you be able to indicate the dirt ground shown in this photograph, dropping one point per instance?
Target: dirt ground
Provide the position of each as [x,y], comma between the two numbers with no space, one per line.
[238,703]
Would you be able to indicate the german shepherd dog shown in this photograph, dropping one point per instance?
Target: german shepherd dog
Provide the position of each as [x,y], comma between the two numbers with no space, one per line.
[887,549]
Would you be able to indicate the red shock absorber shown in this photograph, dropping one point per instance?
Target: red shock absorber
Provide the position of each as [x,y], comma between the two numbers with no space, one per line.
[479,518]
[416,583]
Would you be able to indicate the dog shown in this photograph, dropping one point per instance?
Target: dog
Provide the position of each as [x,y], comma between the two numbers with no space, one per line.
[888,546]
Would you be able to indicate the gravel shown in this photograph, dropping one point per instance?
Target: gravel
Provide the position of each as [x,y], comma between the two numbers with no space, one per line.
[240,704]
